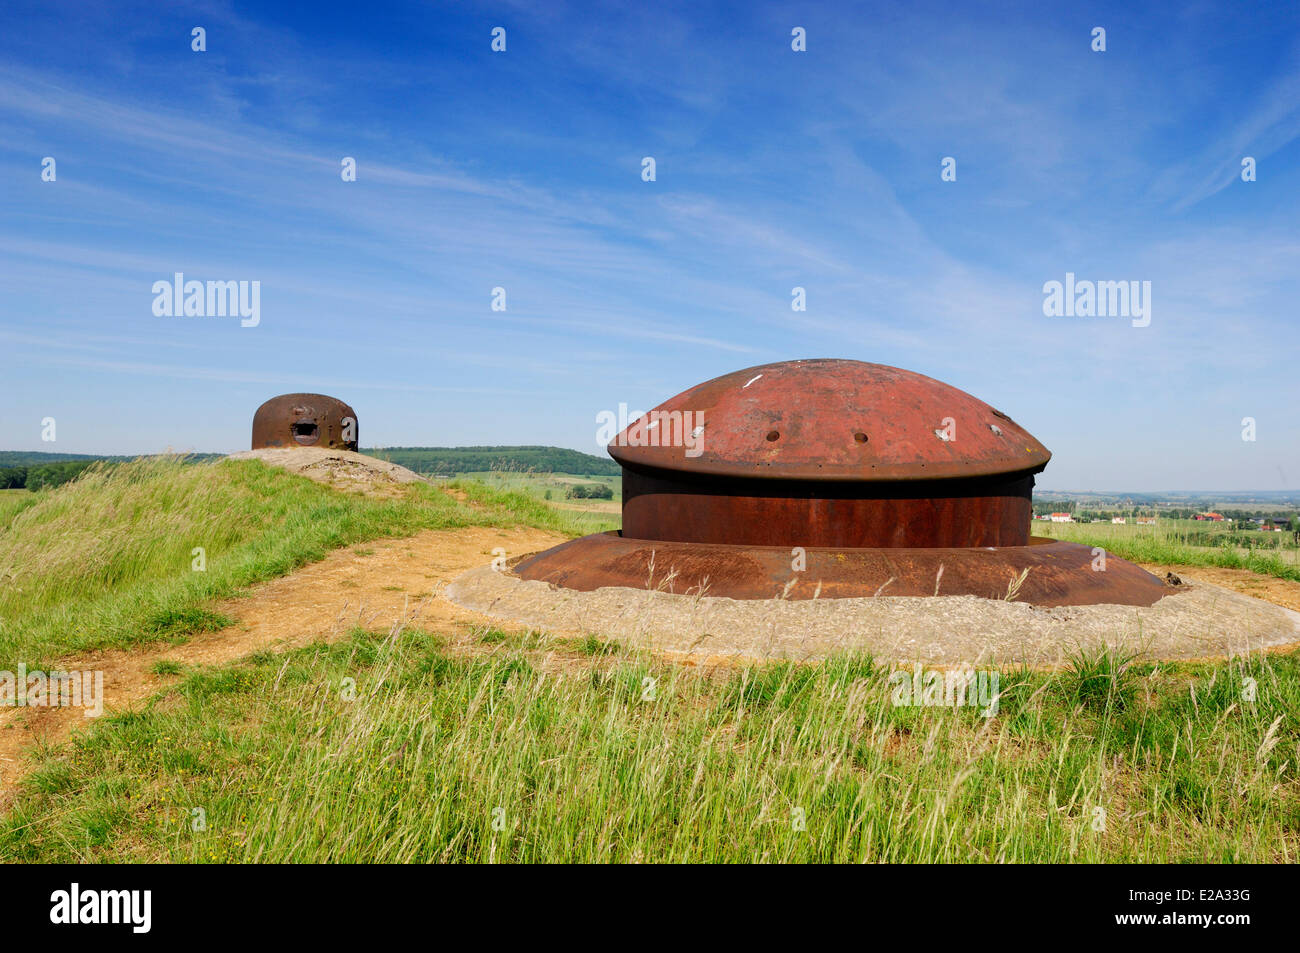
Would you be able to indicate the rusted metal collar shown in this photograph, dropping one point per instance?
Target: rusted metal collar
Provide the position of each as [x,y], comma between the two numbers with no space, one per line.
[1045,573]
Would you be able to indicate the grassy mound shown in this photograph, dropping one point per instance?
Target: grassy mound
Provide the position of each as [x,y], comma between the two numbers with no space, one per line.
[133,552]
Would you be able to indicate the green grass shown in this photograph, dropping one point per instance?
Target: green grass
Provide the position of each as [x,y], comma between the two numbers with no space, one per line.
[510,479]
[13,502]
[526,496]
[583,764]
[1167,544]
[109,560]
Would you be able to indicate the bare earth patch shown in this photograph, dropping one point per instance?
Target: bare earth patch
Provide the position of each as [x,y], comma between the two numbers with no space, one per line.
[1280,592]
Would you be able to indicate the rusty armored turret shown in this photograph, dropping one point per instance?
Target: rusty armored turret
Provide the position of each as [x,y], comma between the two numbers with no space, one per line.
[834,478]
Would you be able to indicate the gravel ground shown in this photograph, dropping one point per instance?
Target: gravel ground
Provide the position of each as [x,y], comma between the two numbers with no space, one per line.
[1204,621]
[341,468]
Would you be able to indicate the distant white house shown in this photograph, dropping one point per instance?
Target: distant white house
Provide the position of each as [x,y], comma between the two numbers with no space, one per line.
[1146,521]
[1062,518]
[1118,519]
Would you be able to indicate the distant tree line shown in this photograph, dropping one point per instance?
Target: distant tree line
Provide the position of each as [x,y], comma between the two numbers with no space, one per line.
[42,476]
[590,491]
[1053,506]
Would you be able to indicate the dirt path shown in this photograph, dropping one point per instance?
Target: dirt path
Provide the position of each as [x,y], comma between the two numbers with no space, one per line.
[1281,592]
[373,585]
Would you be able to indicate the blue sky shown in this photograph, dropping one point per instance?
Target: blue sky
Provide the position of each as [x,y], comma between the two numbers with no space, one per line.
[775,169]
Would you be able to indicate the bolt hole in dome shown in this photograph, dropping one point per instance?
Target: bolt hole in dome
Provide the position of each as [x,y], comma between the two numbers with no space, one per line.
[773,435]
[860,437]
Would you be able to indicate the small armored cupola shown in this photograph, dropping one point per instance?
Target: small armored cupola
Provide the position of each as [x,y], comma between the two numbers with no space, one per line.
[305,420]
